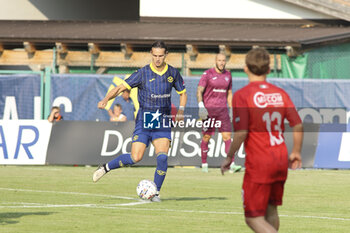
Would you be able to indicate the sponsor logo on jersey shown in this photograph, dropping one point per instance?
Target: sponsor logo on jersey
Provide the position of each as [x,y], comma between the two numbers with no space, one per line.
[215,78]
[262,100]
[160,96]
[219,90]
[151,80]
[170,79]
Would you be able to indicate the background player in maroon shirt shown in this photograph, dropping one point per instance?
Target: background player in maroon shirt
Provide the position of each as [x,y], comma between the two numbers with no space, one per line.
[214,93]
[259,111]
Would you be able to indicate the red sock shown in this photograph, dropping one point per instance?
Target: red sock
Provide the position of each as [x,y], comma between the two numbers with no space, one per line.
[204,150]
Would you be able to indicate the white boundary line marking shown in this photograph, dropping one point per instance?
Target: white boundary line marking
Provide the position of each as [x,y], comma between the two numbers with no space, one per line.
[121,206]
[315,217]
[40,205]
[69,193]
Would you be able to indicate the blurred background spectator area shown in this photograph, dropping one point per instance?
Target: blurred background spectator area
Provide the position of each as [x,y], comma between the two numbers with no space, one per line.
[306,39]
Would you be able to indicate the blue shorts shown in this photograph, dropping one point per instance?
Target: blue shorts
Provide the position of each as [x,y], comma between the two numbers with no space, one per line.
[148,135]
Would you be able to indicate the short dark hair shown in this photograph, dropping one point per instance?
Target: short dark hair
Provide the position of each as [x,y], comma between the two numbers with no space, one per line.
[118,105]
[159,44]
[258,61]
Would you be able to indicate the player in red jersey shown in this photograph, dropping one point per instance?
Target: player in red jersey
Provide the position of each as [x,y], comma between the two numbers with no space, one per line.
[259,111]
[214,93]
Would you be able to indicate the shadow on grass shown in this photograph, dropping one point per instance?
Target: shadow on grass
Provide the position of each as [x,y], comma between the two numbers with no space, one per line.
[193,198]
[12,217]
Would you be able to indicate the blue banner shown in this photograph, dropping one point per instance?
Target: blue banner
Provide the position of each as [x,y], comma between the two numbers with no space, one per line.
[20,96]
[333,149]
[78,95]
[305,93]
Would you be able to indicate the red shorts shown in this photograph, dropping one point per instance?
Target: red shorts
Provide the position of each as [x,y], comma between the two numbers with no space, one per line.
[256,197]
[226,125]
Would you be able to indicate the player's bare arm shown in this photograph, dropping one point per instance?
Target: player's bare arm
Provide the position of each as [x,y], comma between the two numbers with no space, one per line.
[110,95]
[229,98]
[202,111]
[229,103]
[200,91]
[295,156]
[180,112]
[238,138]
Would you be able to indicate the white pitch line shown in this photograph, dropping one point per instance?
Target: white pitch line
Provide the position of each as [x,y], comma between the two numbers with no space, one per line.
[39,205]
[120,206]
[316,217]
[69,193]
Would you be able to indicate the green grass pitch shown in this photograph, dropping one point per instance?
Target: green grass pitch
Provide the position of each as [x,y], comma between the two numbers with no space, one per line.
[44,199]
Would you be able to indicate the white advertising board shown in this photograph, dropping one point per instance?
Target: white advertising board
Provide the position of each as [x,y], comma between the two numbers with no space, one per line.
[24,142]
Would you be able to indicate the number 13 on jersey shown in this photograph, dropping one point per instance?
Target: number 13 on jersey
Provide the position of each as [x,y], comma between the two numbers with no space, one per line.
[273,124]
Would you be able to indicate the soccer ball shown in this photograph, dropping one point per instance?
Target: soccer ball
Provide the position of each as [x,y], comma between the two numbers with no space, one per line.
[146,189]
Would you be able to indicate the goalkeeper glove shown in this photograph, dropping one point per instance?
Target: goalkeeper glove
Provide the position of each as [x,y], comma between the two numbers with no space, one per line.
[202,111]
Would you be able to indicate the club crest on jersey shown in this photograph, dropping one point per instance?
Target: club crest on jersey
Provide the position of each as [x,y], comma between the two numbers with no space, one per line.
[170,79]
[262,100]
[227,79]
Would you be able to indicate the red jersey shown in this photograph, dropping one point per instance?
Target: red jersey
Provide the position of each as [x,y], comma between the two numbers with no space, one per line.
[261,108]
[216,87]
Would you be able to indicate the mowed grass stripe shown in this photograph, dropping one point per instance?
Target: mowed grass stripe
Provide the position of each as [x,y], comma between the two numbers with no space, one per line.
[117,206]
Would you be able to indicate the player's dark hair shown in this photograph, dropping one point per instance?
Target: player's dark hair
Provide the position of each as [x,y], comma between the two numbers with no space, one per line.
[118,105]
[258,61]
[159,44]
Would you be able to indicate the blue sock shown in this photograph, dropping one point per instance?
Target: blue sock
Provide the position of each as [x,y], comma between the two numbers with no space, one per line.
[120,161]
[162,167]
